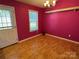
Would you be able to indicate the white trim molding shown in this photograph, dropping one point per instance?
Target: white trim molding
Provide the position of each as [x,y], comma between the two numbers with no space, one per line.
[29,38]
[63,39]
[68,40]
[63,9]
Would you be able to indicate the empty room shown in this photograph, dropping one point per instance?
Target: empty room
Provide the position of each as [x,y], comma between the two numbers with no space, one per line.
[39,29]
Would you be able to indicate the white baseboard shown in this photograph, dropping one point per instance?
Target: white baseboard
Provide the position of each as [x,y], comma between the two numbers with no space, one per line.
[29,38]
[63,38]
[51,36]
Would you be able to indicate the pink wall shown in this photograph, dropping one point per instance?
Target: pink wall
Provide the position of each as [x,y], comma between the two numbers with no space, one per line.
[60,24]
[22,18]
[63,23]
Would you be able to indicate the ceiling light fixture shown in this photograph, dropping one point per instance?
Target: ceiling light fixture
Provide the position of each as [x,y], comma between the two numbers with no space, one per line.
[49,3]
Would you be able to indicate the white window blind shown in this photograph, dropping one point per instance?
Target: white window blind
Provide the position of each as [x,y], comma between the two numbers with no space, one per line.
[5,17]
[33,19]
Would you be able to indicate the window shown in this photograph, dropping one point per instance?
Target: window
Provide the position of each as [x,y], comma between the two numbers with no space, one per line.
[33,19]
[5,17]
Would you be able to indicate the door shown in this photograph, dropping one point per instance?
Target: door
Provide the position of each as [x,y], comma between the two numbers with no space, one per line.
[8,29]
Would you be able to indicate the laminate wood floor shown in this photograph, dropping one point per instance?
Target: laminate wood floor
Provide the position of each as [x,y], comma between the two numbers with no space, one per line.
[41,47]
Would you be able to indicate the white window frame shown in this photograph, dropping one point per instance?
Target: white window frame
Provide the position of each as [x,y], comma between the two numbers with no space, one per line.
[32,30]
[12,14]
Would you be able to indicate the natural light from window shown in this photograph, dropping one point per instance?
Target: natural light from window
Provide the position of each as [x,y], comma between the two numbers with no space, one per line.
[5,18]
[33,20]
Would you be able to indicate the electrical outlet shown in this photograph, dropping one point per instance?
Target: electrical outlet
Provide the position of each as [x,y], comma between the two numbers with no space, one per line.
[69,35]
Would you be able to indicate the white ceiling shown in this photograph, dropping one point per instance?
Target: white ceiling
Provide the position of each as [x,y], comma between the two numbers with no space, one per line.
[38,3]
